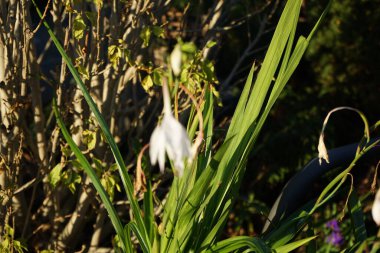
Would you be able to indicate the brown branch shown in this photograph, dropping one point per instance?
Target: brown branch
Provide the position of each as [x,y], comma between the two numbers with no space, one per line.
[42,18]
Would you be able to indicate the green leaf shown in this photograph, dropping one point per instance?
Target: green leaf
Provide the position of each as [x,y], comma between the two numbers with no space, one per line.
[208,69]
[145,35]
[126,242]
[149,211]
[240,243]
[294,245]
[79,26]
[158,31]
[71,179]
[133,226]
[55,175]
[66,151]
[114,55]
[189,48]
[83,71]
[147,83]
[89,139]
[157,76]
[210,44]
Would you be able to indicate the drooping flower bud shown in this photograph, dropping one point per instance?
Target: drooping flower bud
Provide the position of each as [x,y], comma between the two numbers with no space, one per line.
[176,60]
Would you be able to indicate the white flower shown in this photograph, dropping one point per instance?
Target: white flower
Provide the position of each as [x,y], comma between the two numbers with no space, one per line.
[169,137]
[176,59]
[376,208]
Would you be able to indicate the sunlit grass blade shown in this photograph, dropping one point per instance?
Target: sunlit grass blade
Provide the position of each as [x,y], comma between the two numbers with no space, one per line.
[240,108]
[244,129]
[232,164]
[240,243]
[149,211]
[127,183]
[125,239]
[294,245]
[289,227]
[146,248]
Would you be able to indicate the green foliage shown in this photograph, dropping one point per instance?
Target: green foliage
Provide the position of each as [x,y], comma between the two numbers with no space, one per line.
[199,202]
[55,175]
[71,179]
[119,54]
[79,26]
[147,83]
[89,139]
[9,244]
[114,54]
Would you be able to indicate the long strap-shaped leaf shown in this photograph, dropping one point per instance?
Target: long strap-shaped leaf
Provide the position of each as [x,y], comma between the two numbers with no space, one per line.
[239,243]
[126,241]
[127,183]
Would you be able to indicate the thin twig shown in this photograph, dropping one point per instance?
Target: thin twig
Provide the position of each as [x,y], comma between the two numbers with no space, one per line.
[42,18]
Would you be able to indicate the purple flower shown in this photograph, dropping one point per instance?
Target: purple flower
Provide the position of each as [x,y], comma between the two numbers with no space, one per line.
[333,225]
[335,238]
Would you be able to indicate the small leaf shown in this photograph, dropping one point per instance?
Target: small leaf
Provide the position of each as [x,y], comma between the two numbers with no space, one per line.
[210,44]
[157,76]
[71,179]
[114,54]
[158,32]
[66,151]
[147,83]
[145,35]
[189,48]
[55,175]
[185,74]
[79,26]
[208,69]
[83,71]
[89,139]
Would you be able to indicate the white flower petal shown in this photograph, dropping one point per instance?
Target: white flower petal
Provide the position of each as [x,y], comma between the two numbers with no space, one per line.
[376,208]
[161,159]
[178,143]
[157,144]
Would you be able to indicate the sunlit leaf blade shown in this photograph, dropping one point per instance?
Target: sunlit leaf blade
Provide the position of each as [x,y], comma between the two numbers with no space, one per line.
[149,211]
[239,243]
[143,243]
[126,241]
[294,245]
